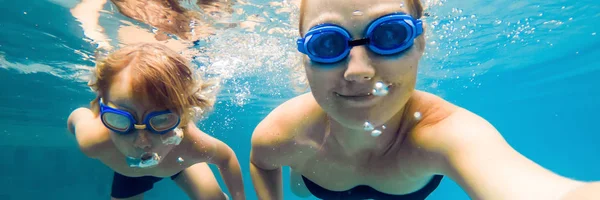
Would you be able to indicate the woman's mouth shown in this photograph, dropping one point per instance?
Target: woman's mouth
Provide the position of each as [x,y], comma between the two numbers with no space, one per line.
[353,95]
[359,97]
[365,97]
[379,89]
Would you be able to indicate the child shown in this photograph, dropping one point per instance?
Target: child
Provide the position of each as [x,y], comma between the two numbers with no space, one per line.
[142,125]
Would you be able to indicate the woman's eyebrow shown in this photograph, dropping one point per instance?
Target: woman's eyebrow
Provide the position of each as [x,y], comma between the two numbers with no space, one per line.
[326,17]
[384,9]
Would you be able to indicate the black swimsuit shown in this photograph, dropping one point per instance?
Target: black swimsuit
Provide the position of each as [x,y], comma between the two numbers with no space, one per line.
[126,187]
[366,192]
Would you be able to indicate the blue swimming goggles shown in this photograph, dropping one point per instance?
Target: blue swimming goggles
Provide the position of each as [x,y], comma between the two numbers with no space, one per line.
[387,35]
[122,122]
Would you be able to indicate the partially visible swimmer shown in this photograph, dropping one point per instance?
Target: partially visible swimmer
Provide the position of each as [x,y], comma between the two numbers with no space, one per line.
[365,132]
[142,124]
[168,17]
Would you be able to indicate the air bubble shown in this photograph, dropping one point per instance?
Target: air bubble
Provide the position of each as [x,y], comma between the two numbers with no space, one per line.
[174,139]
[417,115]
[150,160]
[375,133]
[367,126]
[380,89]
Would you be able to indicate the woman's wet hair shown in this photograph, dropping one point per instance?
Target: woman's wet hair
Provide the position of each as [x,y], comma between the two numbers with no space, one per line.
[415,6]
[160,76]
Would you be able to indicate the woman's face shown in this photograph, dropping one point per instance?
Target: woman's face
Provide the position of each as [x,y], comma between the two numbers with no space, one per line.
[344,89]
[137,144]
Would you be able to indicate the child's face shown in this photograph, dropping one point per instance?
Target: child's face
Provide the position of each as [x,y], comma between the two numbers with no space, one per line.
[136,143]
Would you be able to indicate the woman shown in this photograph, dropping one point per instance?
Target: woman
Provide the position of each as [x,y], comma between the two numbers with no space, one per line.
[364,132]
[142,125]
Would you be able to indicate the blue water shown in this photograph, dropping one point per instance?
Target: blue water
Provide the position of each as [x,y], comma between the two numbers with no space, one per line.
[530,68]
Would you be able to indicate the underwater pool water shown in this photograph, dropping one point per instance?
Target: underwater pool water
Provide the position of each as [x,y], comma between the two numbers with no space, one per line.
[530,68]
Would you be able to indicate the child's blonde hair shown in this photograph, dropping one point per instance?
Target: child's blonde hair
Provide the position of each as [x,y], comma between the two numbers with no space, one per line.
[160,76]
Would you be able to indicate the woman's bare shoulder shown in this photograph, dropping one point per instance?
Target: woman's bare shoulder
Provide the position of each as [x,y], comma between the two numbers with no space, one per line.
[289,118]
[281,129]
[437,122]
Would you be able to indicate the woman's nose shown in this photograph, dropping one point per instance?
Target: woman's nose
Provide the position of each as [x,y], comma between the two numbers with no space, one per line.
[359,67]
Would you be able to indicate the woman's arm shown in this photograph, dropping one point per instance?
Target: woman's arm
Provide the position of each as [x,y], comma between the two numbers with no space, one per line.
[274,144]
[265,172]
[487,167]
[272,148]
[589,191]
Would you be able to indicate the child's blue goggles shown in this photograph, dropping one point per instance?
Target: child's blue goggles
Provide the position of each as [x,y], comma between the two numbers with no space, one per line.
[387,35]
[122,122]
